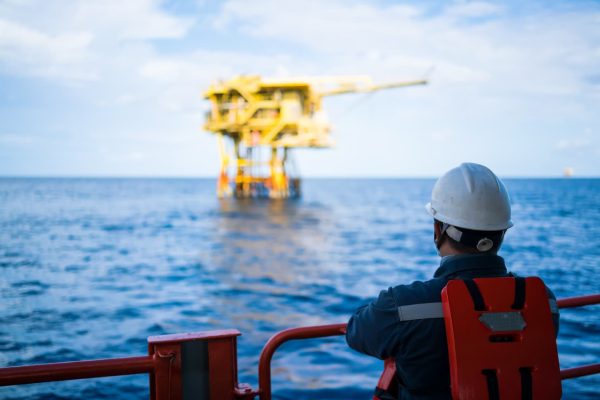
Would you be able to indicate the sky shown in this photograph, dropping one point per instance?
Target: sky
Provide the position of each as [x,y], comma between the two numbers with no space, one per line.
[114,88]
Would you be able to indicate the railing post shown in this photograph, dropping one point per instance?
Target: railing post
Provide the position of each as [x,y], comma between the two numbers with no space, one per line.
[165,383]
[306,332]
[200,366]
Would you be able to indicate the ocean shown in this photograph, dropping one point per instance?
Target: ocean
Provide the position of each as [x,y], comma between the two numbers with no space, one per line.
[89,268]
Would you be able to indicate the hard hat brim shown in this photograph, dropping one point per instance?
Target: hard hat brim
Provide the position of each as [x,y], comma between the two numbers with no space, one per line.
[442,218]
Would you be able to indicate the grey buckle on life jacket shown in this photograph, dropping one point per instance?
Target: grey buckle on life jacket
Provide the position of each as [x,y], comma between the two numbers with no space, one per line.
[503,321]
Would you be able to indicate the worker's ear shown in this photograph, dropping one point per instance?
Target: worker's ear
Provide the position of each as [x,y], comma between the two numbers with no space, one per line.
[437,235]
[437,230]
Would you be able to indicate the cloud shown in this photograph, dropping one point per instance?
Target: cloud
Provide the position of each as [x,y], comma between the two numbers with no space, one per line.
[42,54]
[13,139]
[572,144]
[503,75]
[110,40]
[184,78]
[531,53]
[82,40]
[473,9]
[135,156]
[132,19]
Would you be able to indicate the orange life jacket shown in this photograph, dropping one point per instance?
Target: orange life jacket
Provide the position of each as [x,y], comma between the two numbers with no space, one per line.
[501,341]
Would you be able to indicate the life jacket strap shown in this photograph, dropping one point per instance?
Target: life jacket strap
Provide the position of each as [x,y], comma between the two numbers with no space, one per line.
[475,295]
[519,293]
[492,384]
[526,384]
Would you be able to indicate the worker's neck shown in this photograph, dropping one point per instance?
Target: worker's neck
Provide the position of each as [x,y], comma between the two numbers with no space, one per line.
[447,250]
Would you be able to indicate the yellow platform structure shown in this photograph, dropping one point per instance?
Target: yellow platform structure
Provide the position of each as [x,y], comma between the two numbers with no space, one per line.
[264,119]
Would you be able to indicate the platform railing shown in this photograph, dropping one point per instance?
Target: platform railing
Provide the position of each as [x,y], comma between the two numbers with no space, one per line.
[76,370]
[310,332]
[199,365]
[571,302]
[578,301]
[203,365]
[307,332]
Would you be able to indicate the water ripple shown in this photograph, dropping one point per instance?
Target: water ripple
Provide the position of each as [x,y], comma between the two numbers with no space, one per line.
[91,267]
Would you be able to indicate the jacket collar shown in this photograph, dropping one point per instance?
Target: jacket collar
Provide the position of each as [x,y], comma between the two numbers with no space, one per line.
[459,264]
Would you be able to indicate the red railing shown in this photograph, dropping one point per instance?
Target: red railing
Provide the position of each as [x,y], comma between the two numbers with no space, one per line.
[580,301]
[206,357]
[168,370]
[309,332]
[571,302]
[577,372]
[76,370]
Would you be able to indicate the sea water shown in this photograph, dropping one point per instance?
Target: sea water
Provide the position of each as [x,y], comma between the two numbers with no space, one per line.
[89,268]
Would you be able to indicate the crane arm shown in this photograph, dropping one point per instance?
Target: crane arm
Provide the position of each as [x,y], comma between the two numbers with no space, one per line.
[354,88]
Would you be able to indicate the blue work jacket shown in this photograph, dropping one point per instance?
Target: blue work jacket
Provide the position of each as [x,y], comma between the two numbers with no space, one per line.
[418,345]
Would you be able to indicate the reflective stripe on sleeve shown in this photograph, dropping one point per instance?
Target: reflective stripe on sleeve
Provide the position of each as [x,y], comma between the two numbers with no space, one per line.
[420,311]
[434,310]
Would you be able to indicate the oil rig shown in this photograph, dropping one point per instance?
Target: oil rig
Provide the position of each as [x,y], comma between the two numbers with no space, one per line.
[263,119]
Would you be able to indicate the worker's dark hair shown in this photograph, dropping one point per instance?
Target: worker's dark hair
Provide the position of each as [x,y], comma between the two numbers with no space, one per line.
[470,238]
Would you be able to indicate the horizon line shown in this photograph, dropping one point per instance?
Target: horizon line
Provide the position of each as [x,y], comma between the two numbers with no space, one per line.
[302,177]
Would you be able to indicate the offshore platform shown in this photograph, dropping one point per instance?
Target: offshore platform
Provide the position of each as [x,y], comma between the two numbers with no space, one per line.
[264,119]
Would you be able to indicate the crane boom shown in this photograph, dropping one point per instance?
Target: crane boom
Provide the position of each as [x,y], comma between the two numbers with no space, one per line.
[355,88]
[264,119]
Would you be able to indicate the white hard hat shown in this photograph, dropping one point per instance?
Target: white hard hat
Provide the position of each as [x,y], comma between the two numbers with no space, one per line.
[470,196]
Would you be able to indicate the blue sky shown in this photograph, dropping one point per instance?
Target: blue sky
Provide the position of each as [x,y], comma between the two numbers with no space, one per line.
[113,88]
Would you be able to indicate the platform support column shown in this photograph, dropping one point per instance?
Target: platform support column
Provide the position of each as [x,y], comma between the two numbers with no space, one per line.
[223,186]
[279,184]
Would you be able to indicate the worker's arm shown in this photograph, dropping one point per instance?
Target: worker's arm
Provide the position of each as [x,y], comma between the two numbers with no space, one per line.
[373,329]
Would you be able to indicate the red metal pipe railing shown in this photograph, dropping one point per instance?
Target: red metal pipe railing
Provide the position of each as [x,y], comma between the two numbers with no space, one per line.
[577,372]
[309,332]
[580,301]
[164,364]
[76,370]
[151,364]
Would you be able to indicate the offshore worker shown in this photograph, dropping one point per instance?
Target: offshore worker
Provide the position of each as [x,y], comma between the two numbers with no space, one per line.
[471,212]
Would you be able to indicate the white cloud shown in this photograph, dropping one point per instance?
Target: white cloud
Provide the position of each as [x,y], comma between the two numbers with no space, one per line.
[109,40]
[125,99]
[135,156]
[82,40]
[13,139]
[442,136]
[163,69]
[38,53]
[473,9]
[131,19]
[543,52]
[572,144]
[503,77]
[184,78]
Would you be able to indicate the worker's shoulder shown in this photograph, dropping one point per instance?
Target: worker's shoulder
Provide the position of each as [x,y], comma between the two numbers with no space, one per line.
[418,292]
[549,291]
